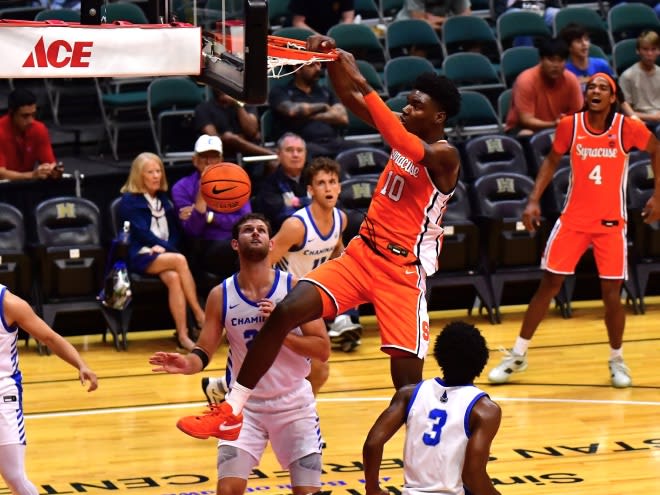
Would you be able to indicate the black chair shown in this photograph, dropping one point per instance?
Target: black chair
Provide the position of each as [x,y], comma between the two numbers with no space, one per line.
[354,199]
[539,147]
[511,253]
[70,260]
[15,265]
[459,261]
[494,153]
[644,254]
[362,160]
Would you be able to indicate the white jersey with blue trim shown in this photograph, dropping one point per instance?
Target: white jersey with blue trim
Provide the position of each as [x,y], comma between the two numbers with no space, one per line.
[316,248]
[8,345]
[242,321]
[436,438]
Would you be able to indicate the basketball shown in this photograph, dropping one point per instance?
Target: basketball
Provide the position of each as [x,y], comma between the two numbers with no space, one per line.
[226,187]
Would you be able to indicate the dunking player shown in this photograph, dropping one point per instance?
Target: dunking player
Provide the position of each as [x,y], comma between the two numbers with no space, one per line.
[399,240]
[450,423]
[309,237]
[282,407]
[598,139]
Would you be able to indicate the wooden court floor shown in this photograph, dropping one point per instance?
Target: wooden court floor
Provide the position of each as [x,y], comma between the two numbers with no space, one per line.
[564,429]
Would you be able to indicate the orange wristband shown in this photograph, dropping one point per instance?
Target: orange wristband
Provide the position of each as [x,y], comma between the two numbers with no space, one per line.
[392,129]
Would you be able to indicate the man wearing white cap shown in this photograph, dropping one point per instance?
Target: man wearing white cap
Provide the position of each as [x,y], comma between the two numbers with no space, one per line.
[209,231]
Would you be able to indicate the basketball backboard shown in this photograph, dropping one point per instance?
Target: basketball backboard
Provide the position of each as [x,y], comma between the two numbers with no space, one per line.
[233,44]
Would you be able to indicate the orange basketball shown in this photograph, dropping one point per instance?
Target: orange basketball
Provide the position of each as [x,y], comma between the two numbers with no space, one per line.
[226,187]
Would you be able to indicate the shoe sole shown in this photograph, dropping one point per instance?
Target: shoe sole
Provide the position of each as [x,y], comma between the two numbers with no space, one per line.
[522,368]
[352,333]
[202,436]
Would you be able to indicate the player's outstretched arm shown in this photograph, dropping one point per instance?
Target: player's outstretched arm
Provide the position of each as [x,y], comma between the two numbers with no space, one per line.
[207,344]
[19,312]
[484,422]
[651,211]
[387,424]
[344,88]
[388,123]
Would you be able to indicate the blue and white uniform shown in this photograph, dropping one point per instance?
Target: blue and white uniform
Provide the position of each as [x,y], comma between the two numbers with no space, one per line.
[316,248]
[282,407]
[437,423]
[12,422]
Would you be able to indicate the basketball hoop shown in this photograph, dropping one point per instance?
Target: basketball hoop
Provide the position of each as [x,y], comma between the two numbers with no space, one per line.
[287,55]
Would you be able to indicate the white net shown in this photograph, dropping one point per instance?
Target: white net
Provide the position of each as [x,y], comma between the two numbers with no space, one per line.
[282,67]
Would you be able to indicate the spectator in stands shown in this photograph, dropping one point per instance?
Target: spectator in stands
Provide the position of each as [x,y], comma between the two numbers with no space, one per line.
[579,62]
[544,93]
[641,81]
[321,15]
[435,12]
[25,148]
[583,66]
[235,123]
[154,236]
[209,231]
[312,111]
[285,191]
[545,8]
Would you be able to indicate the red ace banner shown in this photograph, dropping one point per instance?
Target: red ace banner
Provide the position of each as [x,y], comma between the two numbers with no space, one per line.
[42,50]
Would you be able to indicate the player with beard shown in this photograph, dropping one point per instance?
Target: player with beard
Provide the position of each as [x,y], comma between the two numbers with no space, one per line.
[598,140]
[282,408]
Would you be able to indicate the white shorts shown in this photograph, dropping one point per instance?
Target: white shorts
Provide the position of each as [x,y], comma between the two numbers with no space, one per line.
[290,422]
[12,422]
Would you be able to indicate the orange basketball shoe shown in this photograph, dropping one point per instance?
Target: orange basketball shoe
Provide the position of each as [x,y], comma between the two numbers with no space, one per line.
[219,421]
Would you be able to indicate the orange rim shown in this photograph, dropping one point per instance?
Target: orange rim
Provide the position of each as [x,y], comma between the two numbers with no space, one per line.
[291,49]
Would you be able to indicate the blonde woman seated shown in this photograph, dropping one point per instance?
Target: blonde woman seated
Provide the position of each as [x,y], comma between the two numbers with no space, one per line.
[153,239]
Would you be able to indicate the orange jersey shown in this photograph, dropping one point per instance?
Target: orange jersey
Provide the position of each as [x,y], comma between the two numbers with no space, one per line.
[596,199]
[403,220]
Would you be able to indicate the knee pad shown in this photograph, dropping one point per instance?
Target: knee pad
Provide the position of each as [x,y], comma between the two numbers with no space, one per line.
[234,462]
[306,471]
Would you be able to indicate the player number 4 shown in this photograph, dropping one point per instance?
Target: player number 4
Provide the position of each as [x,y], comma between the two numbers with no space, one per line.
[595,176]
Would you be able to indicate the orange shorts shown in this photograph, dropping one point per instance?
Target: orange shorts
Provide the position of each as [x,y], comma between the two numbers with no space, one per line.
[398,294]
[565,247]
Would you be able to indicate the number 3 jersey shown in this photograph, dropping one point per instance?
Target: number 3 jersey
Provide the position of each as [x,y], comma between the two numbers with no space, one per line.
[596,198]
[242,321]
[437,436]
[315,249]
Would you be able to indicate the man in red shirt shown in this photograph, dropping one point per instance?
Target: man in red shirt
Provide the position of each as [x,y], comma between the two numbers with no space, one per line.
[544,93]
[25,149]
[598,141]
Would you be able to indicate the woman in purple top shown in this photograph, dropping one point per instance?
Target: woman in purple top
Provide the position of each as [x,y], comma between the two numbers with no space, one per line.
[208,231]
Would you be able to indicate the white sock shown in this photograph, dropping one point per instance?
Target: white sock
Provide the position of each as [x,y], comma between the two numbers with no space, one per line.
[237,397]
[616,353]
[521,346]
